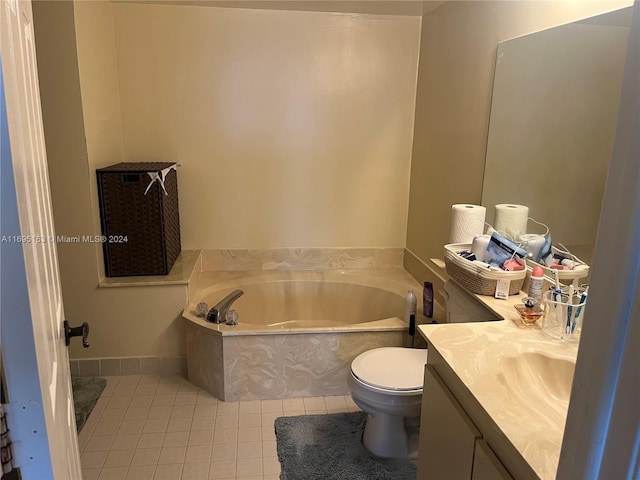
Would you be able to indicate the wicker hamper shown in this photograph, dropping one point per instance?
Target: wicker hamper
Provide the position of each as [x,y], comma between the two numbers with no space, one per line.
[476,278]
[141,233]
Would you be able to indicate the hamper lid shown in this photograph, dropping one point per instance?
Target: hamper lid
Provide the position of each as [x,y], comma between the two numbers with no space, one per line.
[391,368]
[140,167]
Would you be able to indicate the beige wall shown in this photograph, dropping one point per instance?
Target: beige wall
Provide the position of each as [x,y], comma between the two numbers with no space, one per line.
[343,171]
[100,96]
[455,79]
[294,129]
[82,131]
[340,177]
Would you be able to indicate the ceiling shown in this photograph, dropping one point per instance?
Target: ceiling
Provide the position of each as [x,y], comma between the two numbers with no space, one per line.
[376,7]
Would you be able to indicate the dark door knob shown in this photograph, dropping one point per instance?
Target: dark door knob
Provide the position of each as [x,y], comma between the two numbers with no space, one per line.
[81,331]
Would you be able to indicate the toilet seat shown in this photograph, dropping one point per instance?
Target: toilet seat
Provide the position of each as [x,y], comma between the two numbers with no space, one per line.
[393,370]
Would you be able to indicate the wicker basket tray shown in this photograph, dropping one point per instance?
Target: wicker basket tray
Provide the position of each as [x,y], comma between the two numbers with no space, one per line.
[576,273]
[476,278]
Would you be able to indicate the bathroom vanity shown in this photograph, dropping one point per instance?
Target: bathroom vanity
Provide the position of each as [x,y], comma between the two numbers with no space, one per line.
[495,398]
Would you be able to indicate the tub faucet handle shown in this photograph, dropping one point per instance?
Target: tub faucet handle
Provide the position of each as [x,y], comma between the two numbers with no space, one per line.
[232,317]
[202,309]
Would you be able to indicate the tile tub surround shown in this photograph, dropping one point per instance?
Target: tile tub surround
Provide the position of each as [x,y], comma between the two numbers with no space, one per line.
[478,354]
[250,367]
[301,258]
[258,362]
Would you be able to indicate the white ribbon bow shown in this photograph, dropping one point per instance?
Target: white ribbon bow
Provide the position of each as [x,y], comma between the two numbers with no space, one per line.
[160,177]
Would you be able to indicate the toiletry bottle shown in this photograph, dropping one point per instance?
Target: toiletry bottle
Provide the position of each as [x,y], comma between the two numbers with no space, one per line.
[427,300]
[410,304]
[529,311]
[536,283]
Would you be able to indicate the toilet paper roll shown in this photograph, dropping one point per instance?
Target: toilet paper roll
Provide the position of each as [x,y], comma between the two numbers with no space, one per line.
[467,221]
[479,247]
[511,220]
[533,243]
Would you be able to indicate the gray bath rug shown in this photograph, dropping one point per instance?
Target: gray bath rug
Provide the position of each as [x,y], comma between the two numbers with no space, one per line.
[330,446]
[86,391]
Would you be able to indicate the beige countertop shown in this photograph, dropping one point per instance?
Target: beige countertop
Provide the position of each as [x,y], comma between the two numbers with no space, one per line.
[520,378]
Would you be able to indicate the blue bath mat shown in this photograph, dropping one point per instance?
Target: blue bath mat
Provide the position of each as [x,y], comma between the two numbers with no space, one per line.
[86,391]
[329,447]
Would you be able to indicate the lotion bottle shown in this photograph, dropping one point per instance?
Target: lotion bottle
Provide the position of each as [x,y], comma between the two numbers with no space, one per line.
[410,305]
[536,284]
[427,300]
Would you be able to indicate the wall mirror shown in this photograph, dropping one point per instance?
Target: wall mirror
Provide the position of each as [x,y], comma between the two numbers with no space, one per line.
[553,117]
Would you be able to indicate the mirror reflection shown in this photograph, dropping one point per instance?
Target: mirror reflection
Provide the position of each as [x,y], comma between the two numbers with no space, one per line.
[552,126]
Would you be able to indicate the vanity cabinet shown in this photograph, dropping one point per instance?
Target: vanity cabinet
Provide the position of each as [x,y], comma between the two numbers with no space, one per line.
[450,444]
[447,435]
[486,466]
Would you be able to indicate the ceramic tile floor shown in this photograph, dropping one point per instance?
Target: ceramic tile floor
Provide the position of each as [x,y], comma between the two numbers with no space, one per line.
[148,427]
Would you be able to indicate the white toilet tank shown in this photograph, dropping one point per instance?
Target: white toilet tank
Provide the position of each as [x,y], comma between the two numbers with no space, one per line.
[462,307]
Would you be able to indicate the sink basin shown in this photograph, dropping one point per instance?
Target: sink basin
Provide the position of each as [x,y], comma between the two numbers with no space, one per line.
[549,375]
[539,380]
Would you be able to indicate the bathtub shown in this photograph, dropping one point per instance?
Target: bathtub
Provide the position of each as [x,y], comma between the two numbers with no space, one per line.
[298,331]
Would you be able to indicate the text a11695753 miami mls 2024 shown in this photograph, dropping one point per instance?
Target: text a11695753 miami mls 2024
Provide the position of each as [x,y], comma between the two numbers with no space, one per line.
[64,239]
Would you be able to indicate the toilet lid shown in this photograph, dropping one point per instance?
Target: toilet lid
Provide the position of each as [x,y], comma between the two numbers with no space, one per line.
[391,368]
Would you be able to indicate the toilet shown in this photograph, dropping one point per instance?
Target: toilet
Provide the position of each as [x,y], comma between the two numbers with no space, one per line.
[386,383]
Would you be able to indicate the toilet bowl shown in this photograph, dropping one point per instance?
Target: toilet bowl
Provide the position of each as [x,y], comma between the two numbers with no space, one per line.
[386,383]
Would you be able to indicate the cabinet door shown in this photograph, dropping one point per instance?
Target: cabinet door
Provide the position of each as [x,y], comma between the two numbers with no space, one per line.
[486,466]
[447,435]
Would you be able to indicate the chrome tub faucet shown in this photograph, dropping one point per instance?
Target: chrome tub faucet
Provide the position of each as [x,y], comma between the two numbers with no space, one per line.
[218,313]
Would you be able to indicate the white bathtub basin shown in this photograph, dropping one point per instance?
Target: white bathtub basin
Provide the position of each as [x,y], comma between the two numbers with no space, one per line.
[319,303]
[277,301]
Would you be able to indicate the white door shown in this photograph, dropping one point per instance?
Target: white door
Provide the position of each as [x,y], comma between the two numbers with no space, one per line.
[40,412]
